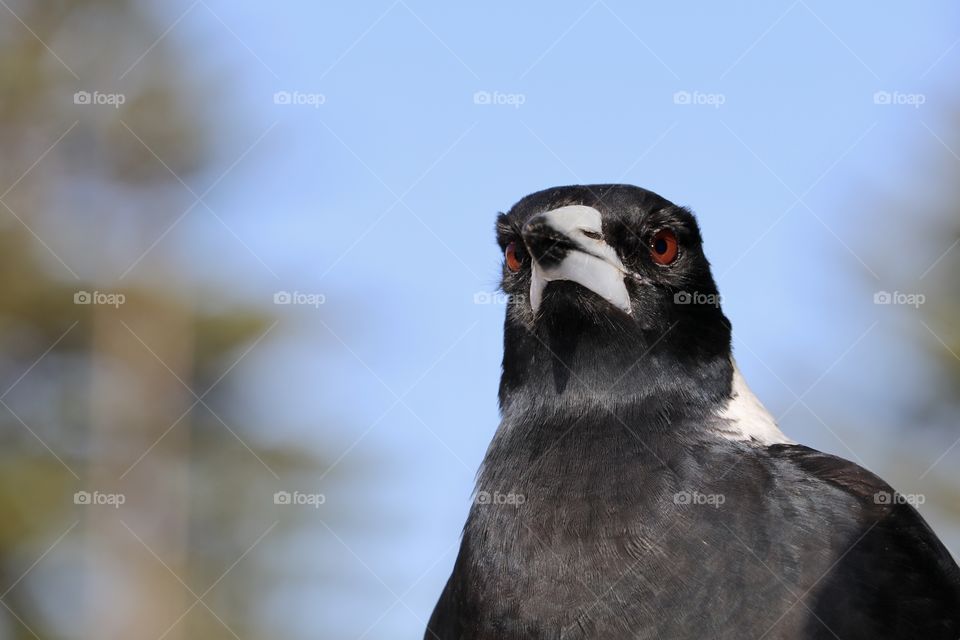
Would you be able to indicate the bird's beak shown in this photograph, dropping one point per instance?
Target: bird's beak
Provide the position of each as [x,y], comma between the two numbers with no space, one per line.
[567,244]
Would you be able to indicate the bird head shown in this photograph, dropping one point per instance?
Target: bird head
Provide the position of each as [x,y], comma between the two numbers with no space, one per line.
[610,295]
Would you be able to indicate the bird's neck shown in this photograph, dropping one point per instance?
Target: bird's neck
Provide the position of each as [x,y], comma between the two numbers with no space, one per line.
[575,443]
[577,370]
[590,413]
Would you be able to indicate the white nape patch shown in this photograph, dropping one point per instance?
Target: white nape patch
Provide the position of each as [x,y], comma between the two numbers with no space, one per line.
[747,419]
[597,266]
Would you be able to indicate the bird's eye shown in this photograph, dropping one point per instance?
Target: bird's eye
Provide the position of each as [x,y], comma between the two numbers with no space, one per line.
[664,247]
[514,257]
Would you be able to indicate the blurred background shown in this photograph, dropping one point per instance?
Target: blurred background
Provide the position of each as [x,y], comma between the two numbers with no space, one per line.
[250,336]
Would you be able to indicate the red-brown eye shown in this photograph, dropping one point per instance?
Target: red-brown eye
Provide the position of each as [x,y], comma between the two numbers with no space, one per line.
[514,257]
[664,247]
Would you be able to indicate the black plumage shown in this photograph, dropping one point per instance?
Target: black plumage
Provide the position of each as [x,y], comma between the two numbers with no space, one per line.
[631,491]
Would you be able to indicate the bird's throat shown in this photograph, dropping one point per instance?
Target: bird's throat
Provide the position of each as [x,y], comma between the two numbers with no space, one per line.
[580,364]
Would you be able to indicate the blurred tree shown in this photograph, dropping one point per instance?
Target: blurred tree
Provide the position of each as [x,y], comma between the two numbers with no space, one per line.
[925,217]
[922,232]
[112,399]
[941,311]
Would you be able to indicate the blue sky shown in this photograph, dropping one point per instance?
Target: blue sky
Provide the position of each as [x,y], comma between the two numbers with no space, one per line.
[762,117]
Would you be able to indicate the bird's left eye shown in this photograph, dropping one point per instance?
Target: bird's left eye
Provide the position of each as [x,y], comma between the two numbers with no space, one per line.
[664,247]
[514,257]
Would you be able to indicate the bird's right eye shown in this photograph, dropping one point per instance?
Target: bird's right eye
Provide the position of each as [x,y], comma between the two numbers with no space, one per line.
[514,257]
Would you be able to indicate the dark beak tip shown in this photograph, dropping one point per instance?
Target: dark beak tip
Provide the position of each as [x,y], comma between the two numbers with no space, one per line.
[535,227]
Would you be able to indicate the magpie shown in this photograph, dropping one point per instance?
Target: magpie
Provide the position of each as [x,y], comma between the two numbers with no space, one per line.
[637,488]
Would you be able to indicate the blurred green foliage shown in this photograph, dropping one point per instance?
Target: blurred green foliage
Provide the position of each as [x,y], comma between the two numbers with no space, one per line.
[102,398]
